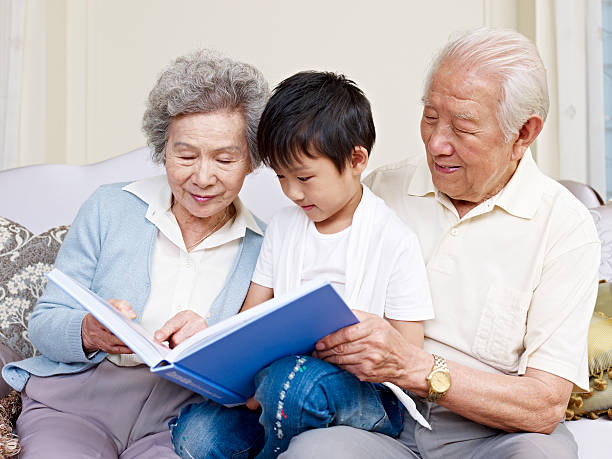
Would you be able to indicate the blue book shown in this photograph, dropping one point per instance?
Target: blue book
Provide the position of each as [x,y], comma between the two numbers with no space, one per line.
[221,361]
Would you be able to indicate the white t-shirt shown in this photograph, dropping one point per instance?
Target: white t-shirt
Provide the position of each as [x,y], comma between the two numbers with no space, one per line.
[324,257]
[380,252]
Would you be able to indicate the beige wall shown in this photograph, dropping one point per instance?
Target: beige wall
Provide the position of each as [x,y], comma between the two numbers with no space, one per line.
[89,64]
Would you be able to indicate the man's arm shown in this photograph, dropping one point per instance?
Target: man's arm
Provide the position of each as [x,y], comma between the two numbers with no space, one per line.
[374,351]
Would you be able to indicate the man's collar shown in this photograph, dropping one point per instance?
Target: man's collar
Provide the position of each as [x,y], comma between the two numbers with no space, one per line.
[520,197]
[522,194]
[421,183]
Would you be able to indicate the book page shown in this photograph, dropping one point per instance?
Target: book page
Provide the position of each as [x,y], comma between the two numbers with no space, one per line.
[131,333]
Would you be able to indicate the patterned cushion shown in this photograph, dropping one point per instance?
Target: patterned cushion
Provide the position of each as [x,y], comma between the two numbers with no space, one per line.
[24,260]
[599,400]
[604,299]
[600,343]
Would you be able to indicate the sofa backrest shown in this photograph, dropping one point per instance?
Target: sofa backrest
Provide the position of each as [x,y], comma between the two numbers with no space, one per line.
[585,193]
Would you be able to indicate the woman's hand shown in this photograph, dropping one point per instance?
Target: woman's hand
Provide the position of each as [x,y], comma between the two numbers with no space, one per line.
[96,336]
[180,327]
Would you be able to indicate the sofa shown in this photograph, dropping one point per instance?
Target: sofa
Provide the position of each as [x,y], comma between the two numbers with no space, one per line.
[39,202]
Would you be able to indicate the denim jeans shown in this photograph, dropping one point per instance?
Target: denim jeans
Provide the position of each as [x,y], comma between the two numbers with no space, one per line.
[296,394]
[214,431]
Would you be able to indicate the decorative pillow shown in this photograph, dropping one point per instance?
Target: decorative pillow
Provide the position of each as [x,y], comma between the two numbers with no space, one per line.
[599,400]
[600,343]
[604,299]
[595,403]
[10,407]
[24,261]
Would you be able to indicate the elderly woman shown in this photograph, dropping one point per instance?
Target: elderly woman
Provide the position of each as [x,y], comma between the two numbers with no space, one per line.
[177,251]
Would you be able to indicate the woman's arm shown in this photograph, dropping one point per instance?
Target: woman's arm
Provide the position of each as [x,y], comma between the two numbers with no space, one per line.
[56,314]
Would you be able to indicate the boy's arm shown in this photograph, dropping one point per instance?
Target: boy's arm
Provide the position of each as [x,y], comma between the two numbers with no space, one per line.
[257,294]
[413,332]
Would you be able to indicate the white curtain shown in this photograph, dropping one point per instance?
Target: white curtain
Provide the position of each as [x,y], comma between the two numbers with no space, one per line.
[580,92]
[12,26]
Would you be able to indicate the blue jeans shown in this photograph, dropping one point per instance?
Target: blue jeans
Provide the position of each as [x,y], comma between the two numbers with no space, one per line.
[214,431]
[296,394]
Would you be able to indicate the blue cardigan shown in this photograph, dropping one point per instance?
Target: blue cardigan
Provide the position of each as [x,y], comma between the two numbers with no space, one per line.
[109,249]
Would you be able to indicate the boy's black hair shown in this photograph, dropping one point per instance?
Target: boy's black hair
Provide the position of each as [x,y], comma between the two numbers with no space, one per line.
[314,113]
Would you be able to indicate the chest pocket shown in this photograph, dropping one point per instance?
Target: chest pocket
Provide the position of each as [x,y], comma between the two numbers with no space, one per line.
[501,329]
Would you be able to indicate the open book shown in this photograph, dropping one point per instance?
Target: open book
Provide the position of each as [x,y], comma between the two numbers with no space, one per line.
[221,361]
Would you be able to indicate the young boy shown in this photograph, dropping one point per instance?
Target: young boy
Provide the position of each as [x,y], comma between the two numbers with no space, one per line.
[316,132]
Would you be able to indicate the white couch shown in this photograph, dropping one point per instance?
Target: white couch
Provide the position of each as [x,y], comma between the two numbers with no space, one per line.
[44,196]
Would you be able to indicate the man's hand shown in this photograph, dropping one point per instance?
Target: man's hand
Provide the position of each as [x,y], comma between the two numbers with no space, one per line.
[372,350]
[180,327]
[96,336]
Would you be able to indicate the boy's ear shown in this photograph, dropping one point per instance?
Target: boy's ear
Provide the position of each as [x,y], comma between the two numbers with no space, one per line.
[359,159]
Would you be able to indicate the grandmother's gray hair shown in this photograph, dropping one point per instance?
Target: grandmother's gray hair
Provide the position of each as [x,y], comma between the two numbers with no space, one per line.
[513,61]
[204,82]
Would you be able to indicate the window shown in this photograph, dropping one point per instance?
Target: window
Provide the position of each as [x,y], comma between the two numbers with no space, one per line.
[606,25]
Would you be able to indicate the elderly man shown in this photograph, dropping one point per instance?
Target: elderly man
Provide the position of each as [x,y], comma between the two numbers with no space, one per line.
[512,260]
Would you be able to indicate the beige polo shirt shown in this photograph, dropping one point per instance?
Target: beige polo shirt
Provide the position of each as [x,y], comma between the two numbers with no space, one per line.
[182,280]
[514,281]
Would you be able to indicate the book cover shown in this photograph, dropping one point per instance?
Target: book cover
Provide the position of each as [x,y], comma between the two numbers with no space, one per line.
[221,361]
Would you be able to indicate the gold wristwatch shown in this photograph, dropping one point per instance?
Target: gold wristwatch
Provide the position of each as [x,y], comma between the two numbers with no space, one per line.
[439,379]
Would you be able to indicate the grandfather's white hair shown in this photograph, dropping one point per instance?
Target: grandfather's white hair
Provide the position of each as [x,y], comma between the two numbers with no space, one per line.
[513,61]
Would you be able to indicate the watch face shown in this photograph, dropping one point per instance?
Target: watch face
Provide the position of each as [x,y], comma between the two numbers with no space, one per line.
[440,381]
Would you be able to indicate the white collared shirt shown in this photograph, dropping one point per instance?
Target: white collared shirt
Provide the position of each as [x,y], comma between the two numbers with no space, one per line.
[514,281]
[182,280]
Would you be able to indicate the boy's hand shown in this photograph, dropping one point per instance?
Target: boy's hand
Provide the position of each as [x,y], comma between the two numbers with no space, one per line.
[252,404]
[180,327]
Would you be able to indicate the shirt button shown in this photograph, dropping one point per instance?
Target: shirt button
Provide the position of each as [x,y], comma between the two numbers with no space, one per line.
[453,232]
[188,263]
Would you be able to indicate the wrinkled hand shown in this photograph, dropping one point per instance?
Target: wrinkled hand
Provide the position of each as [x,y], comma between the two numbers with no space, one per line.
[180,327]
[372,349]
[96,336]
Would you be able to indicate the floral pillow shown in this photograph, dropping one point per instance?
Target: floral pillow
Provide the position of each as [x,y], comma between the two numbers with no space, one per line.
[24,261]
